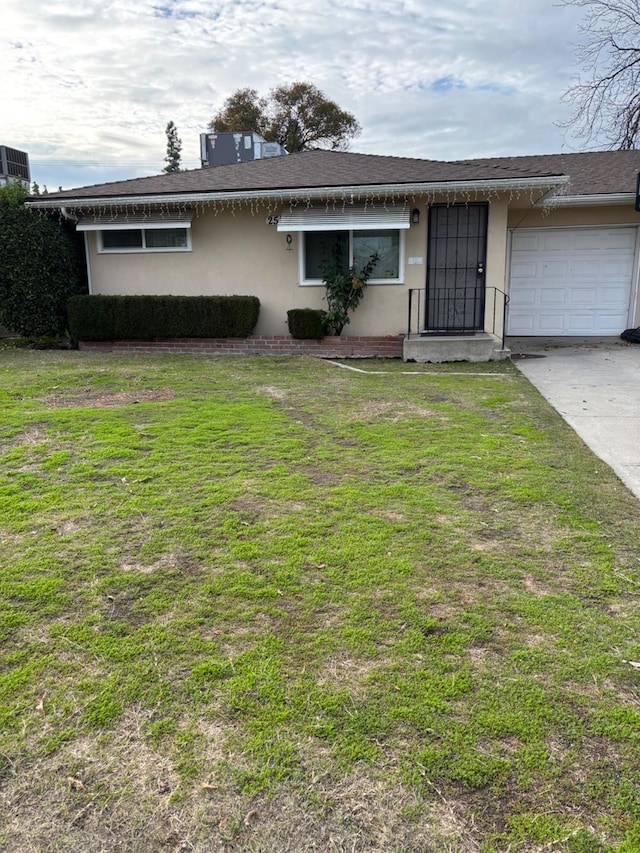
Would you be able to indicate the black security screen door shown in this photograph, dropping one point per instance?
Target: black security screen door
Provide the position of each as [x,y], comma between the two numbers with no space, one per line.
[456,256]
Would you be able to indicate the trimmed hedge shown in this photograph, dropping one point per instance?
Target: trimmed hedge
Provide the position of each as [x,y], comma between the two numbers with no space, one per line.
[307,323]
[112,318]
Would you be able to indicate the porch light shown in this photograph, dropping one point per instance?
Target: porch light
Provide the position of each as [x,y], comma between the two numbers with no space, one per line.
[415,216]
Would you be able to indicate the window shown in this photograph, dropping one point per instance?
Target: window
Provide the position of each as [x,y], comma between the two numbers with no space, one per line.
[324,248]
[145,240]
[138,232]
[166,238]
[386,244]
[122,239]
[351,232]
[353,248]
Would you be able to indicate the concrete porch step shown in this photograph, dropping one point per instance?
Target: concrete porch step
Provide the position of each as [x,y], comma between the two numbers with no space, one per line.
[439,348]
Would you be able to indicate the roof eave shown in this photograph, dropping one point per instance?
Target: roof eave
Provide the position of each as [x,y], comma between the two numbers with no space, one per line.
[310,193]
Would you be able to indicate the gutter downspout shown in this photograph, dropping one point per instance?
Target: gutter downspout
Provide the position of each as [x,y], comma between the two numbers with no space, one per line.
[87,255]
[70,216]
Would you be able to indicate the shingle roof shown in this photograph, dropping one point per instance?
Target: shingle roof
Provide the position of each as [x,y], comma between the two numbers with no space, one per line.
[591,173]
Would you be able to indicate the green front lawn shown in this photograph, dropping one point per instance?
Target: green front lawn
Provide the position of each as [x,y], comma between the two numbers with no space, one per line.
[254,604]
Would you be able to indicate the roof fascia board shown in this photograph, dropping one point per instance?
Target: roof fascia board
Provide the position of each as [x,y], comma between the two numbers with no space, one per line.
[281,195]
[581,200]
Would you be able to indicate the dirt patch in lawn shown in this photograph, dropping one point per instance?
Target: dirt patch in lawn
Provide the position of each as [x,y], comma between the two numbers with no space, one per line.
[373,411]
[104,792]
[320,477]
[274,393]
[119,792]
[32,436]
[99,400]
[364,812]
[349,674]
[167,561]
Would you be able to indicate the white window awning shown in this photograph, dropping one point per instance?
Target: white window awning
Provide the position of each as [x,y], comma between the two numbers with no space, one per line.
[368,218]
[126,222]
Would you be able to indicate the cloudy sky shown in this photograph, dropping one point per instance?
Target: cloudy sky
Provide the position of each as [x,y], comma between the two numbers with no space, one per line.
[88,86]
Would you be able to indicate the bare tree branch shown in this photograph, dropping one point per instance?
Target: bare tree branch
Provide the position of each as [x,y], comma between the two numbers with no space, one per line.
[606,97]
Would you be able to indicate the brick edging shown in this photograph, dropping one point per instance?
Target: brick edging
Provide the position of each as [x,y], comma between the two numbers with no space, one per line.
[357,346]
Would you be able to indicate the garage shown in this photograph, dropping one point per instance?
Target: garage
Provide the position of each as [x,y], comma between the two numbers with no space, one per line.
[571,281]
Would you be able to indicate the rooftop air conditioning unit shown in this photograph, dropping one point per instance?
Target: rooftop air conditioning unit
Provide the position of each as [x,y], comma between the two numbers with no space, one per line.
[14,166]
[223,149]
[272,149]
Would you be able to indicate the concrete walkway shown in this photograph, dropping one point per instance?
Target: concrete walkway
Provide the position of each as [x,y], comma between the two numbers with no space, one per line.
[595,385]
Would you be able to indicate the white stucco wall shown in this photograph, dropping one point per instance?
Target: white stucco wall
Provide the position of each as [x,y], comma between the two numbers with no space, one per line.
[564,217]
[238,253]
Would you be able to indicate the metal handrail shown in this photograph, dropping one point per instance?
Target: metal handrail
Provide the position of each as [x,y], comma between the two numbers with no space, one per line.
[492,296]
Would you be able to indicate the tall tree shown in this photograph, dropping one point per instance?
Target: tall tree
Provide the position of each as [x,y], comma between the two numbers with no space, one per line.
[606,98]
[244,110]
[298,116]
[174,149]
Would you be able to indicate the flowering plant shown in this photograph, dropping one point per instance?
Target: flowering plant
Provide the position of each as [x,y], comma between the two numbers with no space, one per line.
[344,288]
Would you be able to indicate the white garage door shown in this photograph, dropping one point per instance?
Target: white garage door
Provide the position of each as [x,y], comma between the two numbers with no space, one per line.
[570,281]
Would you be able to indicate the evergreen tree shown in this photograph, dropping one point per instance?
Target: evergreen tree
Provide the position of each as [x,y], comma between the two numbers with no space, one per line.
[174,149]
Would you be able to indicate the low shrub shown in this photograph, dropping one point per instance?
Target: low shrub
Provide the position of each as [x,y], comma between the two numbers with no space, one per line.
[107,318]
[307,323]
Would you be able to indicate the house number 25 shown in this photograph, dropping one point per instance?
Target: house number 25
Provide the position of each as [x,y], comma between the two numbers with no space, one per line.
[272,220]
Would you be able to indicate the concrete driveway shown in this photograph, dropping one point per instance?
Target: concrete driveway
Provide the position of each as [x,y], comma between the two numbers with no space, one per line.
[595,385]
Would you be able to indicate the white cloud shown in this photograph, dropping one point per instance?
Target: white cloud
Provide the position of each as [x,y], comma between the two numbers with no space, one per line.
[95,81]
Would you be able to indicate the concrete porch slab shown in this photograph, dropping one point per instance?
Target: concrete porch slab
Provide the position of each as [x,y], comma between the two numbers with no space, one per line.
[441,348]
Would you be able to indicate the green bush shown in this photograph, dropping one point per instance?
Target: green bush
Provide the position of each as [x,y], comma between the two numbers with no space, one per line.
[39,268]
[344,286]
[108,318]
[307,323]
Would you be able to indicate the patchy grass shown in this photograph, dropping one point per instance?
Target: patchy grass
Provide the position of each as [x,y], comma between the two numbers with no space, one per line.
[270,604]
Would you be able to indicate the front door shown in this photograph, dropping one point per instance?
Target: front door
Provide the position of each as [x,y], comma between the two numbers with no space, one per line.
[456,257]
